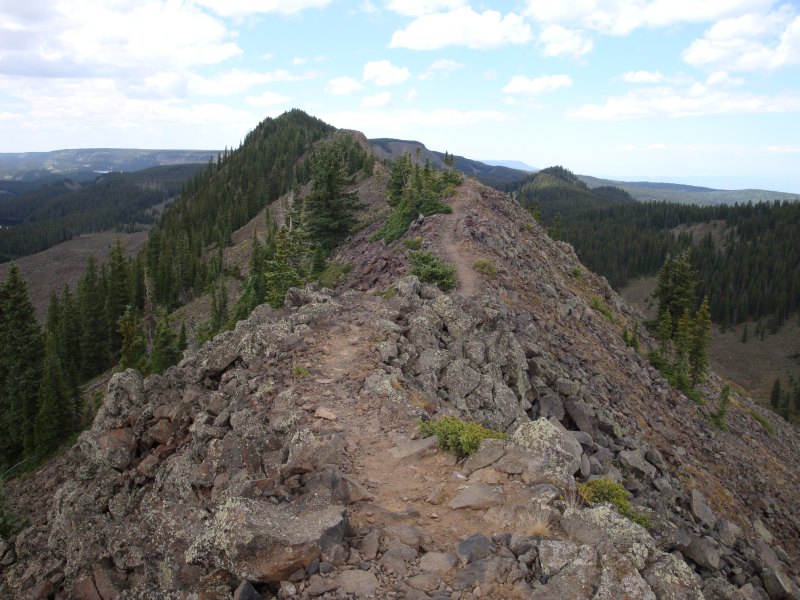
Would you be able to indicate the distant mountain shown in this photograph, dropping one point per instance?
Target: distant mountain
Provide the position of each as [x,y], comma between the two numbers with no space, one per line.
[85,163]
[492,175]
[645,191]
[511,164]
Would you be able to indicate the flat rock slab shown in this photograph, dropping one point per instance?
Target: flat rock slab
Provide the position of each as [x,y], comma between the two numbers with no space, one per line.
[412,448]
[480,495]
[437,562]
[361,584]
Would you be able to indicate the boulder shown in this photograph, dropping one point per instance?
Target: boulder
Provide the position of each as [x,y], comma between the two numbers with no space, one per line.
[671,578]
[478,496]
[544,450]
[704,552]
[266,543]
[110,447]
[701,511]
[360,584]
[476,547]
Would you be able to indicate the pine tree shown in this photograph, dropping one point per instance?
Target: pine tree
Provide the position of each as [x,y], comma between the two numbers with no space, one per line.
[21,356]
[775,397]
[665,331]
[165,348]
[118,295]
[94,357]
[133,350]
[683,340]
[280,274]
[54,420]
[700,338]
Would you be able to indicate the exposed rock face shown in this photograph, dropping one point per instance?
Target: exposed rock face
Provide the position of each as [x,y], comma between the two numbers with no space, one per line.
[231,477]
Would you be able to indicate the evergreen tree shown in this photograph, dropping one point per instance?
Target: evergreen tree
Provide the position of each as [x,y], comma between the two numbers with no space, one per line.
[683,341]
[776,396]
[118,295]
[280,273]
[665,331]
[94,357]
[54,420]
[330,211]
[133,350]
[165,348]
[700,338]
[21,358]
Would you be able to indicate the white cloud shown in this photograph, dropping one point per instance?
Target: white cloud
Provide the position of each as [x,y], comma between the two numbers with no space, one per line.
[267,99]
[368,7]
[643,76]
[236,81]
[750,42]
[108,38]
[695,100]
[418,8]
[569,43]
[442,66]
[463,27]
[400,121]
[299,60]
[621,17]
[383,72]
[411,94]
[784,149]
[723,78]
[240,8]
[520,84]
[377,100]
[342,86]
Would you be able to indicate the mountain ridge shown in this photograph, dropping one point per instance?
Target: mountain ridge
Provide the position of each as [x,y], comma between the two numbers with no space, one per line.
[307,415]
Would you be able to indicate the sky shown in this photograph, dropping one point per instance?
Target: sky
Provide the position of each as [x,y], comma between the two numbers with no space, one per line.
[698,91]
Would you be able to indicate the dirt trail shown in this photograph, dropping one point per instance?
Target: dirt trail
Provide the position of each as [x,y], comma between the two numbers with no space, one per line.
[454,246]
[410,482]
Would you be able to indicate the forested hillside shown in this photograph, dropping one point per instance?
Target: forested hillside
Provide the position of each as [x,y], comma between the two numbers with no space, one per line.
[751,272]
[58,211]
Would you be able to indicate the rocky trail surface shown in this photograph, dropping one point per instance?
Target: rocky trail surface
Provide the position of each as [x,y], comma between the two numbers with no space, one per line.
[283,459]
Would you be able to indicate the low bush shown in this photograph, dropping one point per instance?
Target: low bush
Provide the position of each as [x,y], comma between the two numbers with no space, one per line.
[607,490]
[485,266]
[429,268]
[333,274]
[458,436]
[764,423]
[600,306]
[414,243]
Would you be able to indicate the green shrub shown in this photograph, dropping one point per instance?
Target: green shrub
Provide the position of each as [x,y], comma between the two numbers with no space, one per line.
[600,306]
[429,268]
[718,418]
[458,436]
[485,266]
[414,243]
[333,274]
[299,371]
[764,423]
[9,521]
[576,272]
[607,490]
[389,293]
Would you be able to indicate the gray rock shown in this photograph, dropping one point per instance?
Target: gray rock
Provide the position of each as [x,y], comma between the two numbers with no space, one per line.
[413,448]
[619,577]
[361,584]
[550,405]
[425,582]
[717,589]
[370,544]
[246,591]
[752,592]
[586,468]
[264,542]
[110,447]
[488,453]
[476,547]
[634,461]
[565,387]
[437,562]
[460,379]
[582,414]
[728,532]
[778,584]
[762,531]
[549,450]
[577,579]
[478,496]
[554,555]
[701,511]
[704,552]
[670,578]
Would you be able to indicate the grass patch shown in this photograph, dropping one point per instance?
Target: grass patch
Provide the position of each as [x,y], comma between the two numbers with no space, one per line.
[601,307]
[537,521]
[429,268]
[485,266]
[606,490]
[458,436]
[414,243]
[764,423]
[299,371]
[333,274]
[576,272]
[389,293]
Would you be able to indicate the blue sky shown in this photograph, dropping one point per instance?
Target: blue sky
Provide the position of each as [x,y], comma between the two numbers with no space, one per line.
[703,91]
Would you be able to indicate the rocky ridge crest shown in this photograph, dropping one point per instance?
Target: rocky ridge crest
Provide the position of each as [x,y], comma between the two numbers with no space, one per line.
[282,459]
